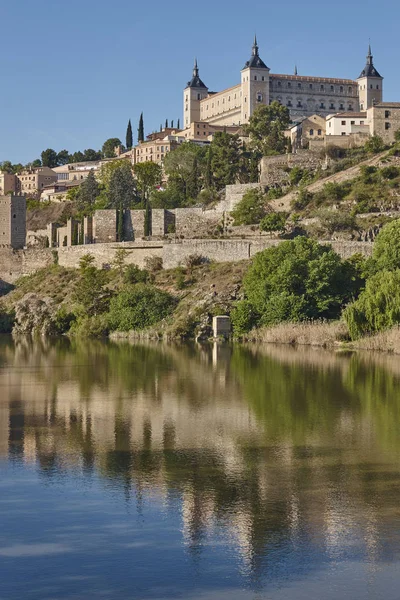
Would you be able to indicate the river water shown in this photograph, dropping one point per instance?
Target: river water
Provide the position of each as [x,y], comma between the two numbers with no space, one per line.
[213,473]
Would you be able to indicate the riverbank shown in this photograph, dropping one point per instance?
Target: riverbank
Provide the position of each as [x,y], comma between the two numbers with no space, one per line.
[200,291]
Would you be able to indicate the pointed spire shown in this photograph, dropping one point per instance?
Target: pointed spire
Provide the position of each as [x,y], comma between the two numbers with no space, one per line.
[255,46]
[196,81]
[369,69]
[369,55]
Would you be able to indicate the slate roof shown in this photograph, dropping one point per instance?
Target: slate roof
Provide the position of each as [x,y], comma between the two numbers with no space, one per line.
[369,69]
[196,82]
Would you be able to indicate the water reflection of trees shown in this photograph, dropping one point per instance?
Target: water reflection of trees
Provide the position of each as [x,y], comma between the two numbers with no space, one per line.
[272,443]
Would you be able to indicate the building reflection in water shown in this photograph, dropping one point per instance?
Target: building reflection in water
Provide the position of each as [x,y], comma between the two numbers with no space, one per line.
[266,445]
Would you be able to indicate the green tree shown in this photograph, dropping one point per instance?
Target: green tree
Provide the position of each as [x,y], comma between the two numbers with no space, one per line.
[87,194]
[119,262]
[377,308]
[273,222]
[194,180]
[386,252]
[225,163]
[141,129]
[208,176]
[77,157]
[90,293]
[178,125]
[49,158]
[375,144]
[266,128]
[90,155]
[121,190]
[7,166]
[63,157]
[251,208]
[182,166]
[129,136]
[36,163]
[166,123]
[139,306]
[108,168]
[108,149]
[299,280]
[148,174]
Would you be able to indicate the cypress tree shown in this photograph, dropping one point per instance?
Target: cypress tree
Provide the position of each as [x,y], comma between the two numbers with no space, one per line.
[129,136]
[193,184]
[166,123]
[178,125]
[172,124]
[120,226]
[208,171]
[147,220]
[141,129]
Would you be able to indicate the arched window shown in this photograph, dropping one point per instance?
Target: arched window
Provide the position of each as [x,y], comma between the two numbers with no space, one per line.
[311,131]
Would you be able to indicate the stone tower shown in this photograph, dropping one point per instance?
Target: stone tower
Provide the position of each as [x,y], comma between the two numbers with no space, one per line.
[370,84]
[254,84]
[195,91]
[12,221]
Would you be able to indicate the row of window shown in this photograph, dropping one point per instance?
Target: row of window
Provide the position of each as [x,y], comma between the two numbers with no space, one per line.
[312,132]
[322,105]
[322,87]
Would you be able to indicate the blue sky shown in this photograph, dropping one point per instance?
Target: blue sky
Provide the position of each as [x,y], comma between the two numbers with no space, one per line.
[74,72]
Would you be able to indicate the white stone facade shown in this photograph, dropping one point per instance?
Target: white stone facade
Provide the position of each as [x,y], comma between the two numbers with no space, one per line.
[304,96]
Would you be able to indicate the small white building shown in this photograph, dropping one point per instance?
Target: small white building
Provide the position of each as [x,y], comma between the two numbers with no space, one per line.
[347,123]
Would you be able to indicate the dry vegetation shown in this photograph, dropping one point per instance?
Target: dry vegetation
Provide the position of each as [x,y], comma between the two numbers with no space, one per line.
[314,333]
[386,341]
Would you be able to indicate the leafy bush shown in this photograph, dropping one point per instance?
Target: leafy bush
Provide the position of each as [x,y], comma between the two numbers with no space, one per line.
[273,222]
[390,172]
[335,152]
[386,253]
[337,221]
[139,306]
[251,208]
[133,274]
[375,144]
[243,317]
[378,306]
[299,280]
[153,263]
[302,199]
[95,326]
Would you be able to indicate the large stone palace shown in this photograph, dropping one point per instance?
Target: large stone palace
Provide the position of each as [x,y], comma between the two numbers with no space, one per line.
[304,96]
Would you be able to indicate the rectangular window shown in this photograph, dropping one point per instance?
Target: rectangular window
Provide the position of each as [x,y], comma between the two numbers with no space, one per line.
[387,114]
[387,126]
[299,85]
[332,88]
[352,122]
[343,122]
[361,122]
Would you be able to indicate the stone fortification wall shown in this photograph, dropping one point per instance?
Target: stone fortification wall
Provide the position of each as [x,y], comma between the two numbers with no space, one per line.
[275,169]
[105,226]
[196,222]
[234,194]
[354,140]
[104,254]
[15,263]
[174,254]
[162,222]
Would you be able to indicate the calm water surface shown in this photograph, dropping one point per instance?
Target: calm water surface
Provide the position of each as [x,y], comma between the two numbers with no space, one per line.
[160,472]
